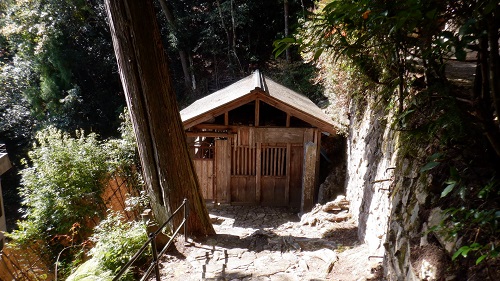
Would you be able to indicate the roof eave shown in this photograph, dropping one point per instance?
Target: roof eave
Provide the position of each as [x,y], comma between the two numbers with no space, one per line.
[311,119]
[262,95]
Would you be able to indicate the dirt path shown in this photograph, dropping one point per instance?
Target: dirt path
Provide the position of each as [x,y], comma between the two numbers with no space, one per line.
[261,243]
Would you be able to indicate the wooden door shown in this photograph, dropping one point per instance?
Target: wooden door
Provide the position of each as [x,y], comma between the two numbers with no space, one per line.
[202,154]
[222,170]
[273,178]
[243,172]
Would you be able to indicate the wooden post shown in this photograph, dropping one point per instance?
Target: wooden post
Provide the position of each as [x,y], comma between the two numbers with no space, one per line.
[258,172]
[287,172]
[318,157]
[308,176]
[257,112]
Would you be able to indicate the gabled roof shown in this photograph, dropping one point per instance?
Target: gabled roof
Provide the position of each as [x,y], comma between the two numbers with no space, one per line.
[252,87]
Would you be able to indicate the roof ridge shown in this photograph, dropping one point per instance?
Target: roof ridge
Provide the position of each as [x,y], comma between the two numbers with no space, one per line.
[259,81]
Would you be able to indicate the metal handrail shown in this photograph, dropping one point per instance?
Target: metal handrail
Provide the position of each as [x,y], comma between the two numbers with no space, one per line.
[152,240]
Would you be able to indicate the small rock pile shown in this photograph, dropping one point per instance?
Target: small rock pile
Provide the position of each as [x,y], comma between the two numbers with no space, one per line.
[334,211]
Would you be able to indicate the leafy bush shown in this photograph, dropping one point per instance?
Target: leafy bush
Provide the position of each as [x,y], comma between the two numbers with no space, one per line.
[116,242]
[479,224]
[62,185]
[123,159]
[472,216]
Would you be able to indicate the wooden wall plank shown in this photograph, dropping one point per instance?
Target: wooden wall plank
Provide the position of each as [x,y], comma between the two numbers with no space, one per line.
[209,134]
[251,137]
[279,190]
[245,160]
[249,188]
[222,171]
[279,135]
[205,171]
[267,190]
[243,189]
[272,191]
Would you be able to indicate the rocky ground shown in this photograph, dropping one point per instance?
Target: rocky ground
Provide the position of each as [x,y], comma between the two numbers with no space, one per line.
[263,243]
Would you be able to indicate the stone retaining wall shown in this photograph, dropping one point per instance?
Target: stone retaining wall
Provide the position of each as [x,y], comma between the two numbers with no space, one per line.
[390,198]
[371,157]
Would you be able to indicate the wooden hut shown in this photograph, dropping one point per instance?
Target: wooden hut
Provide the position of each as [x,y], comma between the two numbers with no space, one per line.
[256,142]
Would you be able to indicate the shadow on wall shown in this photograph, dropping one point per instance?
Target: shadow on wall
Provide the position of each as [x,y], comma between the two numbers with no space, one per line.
[373,155]
[370,154]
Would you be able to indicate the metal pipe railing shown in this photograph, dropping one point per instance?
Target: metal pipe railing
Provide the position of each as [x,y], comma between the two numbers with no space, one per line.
[152,240]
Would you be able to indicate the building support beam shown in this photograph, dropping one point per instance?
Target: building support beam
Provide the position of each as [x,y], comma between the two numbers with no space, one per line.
[308,177]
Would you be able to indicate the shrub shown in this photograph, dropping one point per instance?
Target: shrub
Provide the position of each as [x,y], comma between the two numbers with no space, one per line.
[116,242]
[62,185]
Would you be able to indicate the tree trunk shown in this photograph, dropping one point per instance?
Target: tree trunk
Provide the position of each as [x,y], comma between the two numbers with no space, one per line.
[287,29]
[182,53]
[494,61]
[168,170]
[494,64]
[483,90]
[228,37]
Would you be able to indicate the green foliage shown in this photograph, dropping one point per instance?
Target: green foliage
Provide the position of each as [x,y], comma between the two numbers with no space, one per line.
[61,52]
[390,43]
[466,188]
[91,270]
[62,185]
[489,250]
[477,220]
[16,123]
[116,242]
[123,151]
[463,175]
[453,181]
